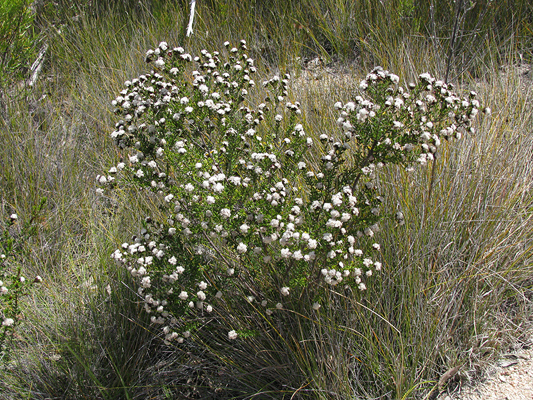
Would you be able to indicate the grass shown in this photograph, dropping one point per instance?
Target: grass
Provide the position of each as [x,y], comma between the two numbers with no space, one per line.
[456,286]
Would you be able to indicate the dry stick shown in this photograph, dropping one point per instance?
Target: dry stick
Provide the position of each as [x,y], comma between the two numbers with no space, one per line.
[37,65]
[448,65]
[472,35]
[191,18]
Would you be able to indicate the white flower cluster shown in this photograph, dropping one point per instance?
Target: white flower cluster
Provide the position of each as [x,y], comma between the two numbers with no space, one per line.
[138,257]
[216,90]
[412,120]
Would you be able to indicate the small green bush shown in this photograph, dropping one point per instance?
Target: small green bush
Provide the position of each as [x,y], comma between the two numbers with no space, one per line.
[16,39]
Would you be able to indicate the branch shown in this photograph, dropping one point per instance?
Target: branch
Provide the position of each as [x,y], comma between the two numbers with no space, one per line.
[191,18]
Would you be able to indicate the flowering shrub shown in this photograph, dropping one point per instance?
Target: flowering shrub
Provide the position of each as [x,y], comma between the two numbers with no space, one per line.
[13,285]
[254,208]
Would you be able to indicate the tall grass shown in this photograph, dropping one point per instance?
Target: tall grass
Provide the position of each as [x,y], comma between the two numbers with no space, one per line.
[456,285]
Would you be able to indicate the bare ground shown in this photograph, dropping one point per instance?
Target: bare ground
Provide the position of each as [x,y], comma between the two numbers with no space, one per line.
[511,378]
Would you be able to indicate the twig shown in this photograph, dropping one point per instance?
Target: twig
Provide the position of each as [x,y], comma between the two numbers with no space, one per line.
[191,18]
[37,65]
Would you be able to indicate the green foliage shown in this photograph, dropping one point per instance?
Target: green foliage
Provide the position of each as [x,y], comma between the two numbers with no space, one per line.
[16,39]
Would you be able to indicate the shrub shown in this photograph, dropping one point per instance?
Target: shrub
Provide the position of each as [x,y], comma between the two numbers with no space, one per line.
[254,209]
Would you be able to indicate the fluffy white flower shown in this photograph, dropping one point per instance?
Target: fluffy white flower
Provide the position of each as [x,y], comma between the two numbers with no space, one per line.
[232,335]
[336,199]
[201,295]
[218,187]
[297,255]
[332,223]
[145,283]
[172,260]
[225,213]
[285,253]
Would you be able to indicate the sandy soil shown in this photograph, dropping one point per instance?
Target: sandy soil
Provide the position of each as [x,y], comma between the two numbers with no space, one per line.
[511,378]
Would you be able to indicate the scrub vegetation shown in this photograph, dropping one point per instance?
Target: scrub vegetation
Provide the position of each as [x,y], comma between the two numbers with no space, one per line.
[301,200]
